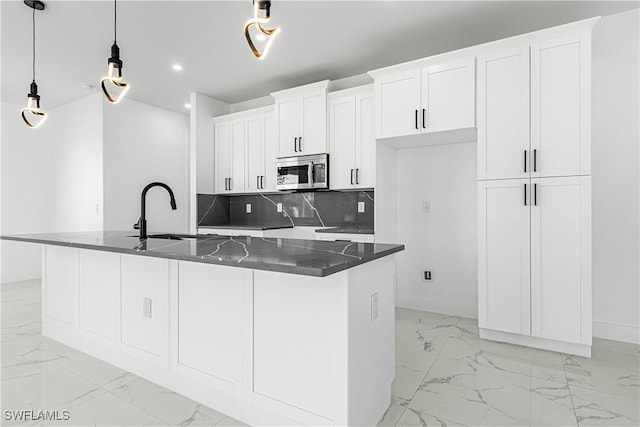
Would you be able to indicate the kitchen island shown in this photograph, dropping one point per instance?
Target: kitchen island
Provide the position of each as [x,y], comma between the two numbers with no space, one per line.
[269,331]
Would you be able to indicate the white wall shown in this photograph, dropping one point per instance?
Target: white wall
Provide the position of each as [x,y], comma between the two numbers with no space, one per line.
[615,178]
[142,144]
[443,241]
[51,179]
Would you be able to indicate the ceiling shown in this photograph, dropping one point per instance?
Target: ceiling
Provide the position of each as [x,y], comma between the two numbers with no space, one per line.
[319,40]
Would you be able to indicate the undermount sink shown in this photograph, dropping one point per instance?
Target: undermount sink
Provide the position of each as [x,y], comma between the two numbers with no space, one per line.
[171,236]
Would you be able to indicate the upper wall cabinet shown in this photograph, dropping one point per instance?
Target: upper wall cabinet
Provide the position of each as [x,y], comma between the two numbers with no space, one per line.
[245,151]
[262,149]
[301,114]
[435,98]
[352,143]
[534,110]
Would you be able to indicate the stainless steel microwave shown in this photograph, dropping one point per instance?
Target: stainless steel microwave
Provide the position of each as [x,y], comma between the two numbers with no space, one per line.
[303,172]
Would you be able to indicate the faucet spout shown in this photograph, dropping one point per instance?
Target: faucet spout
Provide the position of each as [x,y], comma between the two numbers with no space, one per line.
[142,222]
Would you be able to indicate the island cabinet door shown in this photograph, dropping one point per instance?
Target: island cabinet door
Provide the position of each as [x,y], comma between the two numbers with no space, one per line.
[59,266]
[210,323]
[145,307]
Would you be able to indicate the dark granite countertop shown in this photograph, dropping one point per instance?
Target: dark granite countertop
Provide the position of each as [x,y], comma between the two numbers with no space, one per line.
[296,256]
[247,227]
[346,230]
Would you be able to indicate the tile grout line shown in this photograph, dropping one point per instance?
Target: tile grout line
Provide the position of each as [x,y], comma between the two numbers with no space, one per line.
[573,405]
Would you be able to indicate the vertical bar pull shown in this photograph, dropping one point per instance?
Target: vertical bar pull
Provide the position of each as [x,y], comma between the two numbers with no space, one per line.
[535,156]
[262,182]
[535,194]
[300,144]
[525,194]
[357,176]
[525,161]
[351,176]
[258,182]
[424,122]
[230,185]
[417,119]
[295,144]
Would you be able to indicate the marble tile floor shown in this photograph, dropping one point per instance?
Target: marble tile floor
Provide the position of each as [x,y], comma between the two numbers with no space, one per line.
[445,375]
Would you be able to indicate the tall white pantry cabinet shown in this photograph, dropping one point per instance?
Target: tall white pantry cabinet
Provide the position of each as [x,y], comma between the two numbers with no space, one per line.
[534,192]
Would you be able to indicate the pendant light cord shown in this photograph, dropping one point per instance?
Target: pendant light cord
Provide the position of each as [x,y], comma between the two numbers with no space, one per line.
[33,62]
[115,20]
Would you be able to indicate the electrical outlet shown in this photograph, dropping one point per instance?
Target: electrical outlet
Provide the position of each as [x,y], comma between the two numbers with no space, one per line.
[374,306]
[360,207]
[426,207]
[248,207]
[426,276]
[279,207]
[146,307]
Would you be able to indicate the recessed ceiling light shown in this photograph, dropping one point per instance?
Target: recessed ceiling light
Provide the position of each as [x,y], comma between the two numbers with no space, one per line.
[177,67]
[187,106]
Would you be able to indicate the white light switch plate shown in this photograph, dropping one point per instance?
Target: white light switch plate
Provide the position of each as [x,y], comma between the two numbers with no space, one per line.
[360,207]
[146,307]
[374,306]
[248,207]
[279,207]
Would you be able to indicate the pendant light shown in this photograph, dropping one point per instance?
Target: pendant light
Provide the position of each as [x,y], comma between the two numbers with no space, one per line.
[32,115]
[267,34]
[114,70]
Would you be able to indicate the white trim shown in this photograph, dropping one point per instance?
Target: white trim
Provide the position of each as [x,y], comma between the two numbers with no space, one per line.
[616,332]
[437,306]
[537,342]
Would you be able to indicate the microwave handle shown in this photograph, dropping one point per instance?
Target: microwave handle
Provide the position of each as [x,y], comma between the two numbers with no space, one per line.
[311,177]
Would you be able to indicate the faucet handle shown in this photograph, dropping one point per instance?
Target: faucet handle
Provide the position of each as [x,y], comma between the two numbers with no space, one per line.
[136,226]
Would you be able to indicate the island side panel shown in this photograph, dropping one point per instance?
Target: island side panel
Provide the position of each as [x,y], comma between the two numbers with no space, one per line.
[371,340]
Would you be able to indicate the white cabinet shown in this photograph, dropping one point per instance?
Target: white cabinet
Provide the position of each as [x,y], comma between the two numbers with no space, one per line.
[504,256]
[352,142]
[145,306]
[534,110]
[534,193]
[503,114]
[302,119]
[59,266]
[245,147]
[561,106]
[434,98]
[229,137]
[561,259]
[261,152]
[534,257]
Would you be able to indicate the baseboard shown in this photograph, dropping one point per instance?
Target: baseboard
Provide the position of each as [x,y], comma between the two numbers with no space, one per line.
[537,342]
[616,332]
[443,307]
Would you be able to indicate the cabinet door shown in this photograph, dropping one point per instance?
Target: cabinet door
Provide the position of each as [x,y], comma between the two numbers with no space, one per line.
[314,124]
[366,142]
[448,96]
[397,104]
[503,255]
[560,106]
[561,259]
[271,152]
[288,111]
[503,114]
[255,153]
[222,136]
[238,160]
[342,116]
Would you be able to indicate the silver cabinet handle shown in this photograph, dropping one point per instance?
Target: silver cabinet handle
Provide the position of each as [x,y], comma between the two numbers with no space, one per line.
[295,144]
[262,182]
[300,144]
[351,176]
[357,176]
[230,185]
[416,119]
[424,122]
